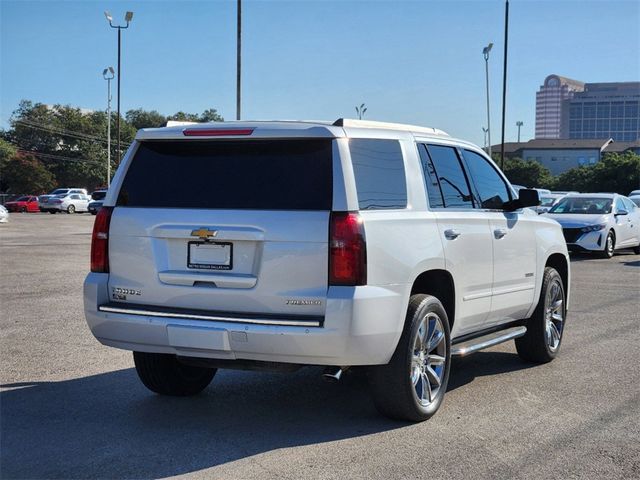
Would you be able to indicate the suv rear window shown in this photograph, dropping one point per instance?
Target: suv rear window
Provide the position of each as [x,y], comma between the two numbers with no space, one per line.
[379,170]
[250,174]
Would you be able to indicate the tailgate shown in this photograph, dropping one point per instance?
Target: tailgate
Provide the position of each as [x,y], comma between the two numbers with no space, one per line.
[228,227]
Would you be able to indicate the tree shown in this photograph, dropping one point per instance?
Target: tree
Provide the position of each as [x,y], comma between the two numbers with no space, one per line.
[211,115]
[615,172]
[7,152]
[528,173]
[140,118]
[25,174]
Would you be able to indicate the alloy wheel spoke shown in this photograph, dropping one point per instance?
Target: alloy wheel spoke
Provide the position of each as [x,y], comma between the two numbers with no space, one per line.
[426,387]
[437,338]
[433,376]
[421,338]
[555,334]
[435,360]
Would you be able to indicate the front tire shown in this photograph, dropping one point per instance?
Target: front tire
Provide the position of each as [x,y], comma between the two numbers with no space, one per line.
[71,209]
[545,327]
[164,374]
[52,212]
[412,385]
[609,245]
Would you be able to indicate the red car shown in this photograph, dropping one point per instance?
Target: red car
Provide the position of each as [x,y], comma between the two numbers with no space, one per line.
[28,203]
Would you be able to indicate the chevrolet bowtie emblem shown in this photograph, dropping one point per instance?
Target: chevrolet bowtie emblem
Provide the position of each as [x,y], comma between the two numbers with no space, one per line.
[204,233]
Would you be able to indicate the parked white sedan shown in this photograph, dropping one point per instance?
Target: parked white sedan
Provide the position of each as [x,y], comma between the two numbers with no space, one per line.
[598,222]
[70,203]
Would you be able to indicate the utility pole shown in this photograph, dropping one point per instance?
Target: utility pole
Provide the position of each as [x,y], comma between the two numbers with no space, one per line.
[238,59]
[519,124]
[108,75]
[504,78]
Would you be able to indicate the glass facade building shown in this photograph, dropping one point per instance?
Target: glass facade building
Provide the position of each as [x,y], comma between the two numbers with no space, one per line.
[603,110]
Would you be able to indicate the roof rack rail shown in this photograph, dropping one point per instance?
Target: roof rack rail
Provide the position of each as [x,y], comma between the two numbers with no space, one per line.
[349,122]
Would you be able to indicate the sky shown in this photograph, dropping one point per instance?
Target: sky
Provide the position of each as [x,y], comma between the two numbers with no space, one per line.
[417,62]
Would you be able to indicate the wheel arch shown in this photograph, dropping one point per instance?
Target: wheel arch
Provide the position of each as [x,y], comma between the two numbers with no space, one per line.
[440,284]
[559,262]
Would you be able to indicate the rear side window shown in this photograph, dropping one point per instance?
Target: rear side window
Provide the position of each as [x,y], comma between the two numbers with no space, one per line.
[250,174]
[379,171]
[430,179]
[451,178]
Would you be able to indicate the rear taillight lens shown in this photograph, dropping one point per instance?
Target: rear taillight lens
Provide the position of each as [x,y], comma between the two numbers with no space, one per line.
[100,241]
[347,250]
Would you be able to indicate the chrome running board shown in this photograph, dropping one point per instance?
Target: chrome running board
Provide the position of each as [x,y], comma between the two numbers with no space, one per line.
[486,341]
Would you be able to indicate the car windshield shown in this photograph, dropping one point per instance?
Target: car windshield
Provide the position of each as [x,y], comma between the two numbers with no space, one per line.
[98,195]
[583,205]
[21,199]
[58,191]
[547,201]
[636,200]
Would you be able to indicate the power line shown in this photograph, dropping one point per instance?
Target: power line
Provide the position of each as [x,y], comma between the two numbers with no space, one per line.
[64,132]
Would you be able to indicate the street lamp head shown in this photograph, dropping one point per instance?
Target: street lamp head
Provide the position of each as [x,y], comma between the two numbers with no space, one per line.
[487,49]
[128,17]
[108,16]
[108,73]
[519,123]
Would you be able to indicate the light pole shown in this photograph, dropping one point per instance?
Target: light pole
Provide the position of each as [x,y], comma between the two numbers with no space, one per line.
[485,131]
[108,75]
[519,124]
[238,59]
[485,53]
[127,18]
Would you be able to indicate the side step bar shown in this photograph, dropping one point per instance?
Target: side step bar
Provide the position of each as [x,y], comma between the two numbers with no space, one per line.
[486,341]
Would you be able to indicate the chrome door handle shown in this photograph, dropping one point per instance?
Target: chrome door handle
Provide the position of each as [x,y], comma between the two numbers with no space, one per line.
[451,234]
[499,233]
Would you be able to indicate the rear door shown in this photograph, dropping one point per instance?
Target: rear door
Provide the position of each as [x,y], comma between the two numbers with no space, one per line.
[464,232]
[225,226]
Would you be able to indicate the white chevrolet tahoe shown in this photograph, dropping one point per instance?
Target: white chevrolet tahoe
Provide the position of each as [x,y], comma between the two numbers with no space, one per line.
[274,245]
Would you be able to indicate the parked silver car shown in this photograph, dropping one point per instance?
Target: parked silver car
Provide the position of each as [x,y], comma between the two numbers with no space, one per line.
[70,203]
[598,222]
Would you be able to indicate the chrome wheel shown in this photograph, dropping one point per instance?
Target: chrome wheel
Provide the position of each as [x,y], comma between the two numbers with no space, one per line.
[428,359]
[554,315]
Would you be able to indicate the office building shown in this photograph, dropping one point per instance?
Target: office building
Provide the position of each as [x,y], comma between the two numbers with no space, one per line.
[603,110]
[549,103]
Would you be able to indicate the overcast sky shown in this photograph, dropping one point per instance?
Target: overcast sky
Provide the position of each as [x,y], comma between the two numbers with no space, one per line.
[413,62]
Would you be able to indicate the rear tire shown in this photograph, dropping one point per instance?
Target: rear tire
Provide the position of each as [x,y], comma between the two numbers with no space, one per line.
[164,374]
[52,212]
[412,385]
[609,245]
[545,327]
[636,250]
[23,210]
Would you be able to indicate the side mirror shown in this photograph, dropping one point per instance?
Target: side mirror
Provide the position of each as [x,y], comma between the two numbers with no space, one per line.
[622,212]
[527,197]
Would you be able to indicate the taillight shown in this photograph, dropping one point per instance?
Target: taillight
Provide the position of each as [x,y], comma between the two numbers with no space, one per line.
[347,250]
[100,241]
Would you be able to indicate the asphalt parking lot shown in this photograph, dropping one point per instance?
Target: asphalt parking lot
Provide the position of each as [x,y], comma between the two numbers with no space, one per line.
[72,408]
